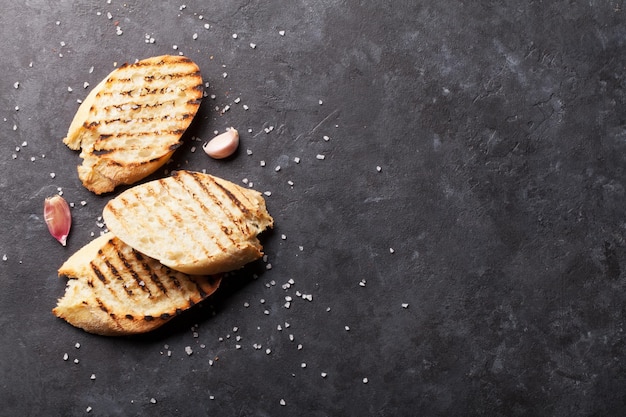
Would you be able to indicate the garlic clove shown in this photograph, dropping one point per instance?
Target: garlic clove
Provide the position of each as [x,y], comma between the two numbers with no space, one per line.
[56,213]
[223,145]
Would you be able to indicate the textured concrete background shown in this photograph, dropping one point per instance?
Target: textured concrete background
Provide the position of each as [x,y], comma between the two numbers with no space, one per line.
[497,213]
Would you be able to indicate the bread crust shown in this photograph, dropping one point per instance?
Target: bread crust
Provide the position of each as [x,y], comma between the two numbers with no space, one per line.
[131,123]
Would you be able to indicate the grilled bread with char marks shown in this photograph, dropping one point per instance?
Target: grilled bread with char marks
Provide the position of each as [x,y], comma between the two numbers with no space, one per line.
[131,123]
[115,290]
[192,222]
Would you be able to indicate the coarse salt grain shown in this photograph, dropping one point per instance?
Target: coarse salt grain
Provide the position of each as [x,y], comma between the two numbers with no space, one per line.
[281,32]
[153,400]
[235,36]
[320,156]
[378,168]
[253,45]
[296,160]
[195,36]
[88,409]
[282,402]
[405,305]
[188,350]
[365,380]
[324,374]
[16,84]
[391,250]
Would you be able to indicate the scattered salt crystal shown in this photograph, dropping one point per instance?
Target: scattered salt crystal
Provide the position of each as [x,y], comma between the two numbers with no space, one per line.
[268,351]
[65,356]
[93,376]
[296,160]
[290,183]
[77,345]
[378,168]
[245,107]
[234,36]
[283,237]
[277,168]
[207,26]
[88,409]
[281,32]
[253,45]
[237,346]
[362,283]
[85,84]
[249,151]
[262,163]
[76,360]
[224,75]
[69,89]
[320,102]
[153,400]
[282,402]
[188,350]
[405,305]
[303,365]
[16,84]
[17,108]
[195,36]
[347,328]
[267,193]
[83,203]
[237,100]
[324,374]
[320,156]
[326,138]
[391,250]
[174,47]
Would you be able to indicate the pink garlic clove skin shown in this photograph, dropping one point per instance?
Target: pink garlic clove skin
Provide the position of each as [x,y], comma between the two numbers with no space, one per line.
[56,213]
[223,145]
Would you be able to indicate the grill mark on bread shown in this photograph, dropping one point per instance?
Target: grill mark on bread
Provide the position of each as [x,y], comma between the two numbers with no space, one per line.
[128,268]
[179,179]
[150,272]
[193,214]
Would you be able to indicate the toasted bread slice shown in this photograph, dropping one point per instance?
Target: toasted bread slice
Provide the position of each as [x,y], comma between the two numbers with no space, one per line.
[192,222]
[115,290]
[131,123]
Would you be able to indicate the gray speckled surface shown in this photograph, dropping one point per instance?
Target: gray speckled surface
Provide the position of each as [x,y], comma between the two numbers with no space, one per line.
[497,214]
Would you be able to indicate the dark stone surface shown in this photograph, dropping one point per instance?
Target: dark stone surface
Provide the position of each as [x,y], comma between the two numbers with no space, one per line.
[499,128]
